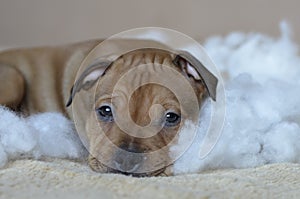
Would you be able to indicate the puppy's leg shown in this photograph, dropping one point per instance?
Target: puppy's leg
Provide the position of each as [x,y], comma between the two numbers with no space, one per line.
[12,86]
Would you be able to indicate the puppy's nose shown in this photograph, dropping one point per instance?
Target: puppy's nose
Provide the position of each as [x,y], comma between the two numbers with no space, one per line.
[128,160]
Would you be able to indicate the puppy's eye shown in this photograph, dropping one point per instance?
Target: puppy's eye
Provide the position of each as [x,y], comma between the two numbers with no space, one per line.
[171,119]
[105,113]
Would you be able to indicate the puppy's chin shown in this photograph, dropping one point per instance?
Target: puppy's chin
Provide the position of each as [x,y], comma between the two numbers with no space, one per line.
[101,168]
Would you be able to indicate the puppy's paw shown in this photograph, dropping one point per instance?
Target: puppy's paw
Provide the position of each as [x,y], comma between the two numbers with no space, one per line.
[96,166]
[167,172]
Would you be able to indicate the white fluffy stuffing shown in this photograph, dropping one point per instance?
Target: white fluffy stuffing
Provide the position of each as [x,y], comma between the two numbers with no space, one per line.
[45,134]
[262,103]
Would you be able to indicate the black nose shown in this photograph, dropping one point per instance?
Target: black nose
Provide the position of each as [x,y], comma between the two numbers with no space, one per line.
[129,159]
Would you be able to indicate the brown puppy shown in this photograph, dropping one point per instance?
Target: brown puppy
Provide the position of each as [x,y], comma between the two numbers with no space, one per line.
[40,79]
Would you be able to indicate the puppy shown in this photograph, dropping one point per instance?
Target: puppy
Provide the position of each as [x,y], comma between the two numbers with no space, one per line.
[124,113]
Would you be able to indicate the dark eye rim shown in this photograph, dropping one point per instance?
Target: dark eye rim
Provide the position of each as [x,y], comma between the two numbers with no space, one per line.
[102,116]
[172,123]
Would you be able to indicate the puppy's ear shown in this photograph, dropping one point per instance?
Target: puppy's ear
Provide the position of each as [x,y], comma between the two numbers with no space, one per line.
[89,77]
[193,67]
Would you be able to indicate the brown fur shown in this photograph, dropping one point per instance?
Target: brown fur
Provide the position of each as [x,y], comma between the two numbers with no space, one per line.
[139,105]
[46,76]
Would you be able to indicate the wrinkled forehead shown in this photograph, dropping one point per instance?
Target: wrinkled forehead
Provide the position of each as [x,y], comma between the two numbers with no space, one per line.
[142,57]
[136,69]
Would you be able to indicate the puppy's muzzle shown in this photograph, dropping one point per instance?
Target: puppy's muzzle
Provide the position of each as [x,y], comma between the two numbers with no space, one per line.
[128,159]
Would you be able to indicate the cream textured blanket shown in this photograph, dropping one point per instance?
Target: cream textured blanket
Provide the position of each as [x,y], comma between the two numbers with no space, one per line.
[67,179]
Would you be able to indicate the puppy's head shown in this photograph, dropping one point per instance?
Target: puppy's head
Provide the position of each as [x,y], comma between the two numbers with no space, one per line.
[135,106]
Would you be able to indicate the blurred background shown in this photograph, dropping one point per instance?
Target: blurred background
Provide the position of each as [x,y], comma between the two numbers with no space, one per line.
[50,22]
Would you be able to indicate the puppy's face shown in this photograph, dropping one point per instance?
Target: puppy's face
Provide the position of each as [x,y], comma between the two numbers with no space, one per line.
[136,117]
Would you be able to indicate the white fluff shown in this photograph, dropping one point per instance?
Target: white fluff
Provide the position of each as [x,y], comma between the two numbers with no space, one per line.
[56,136]
[262,102]
[45,134]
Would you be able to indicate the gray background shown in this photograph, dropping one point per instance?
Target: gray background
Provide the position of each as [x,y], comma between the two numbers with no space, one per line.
[44,22]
